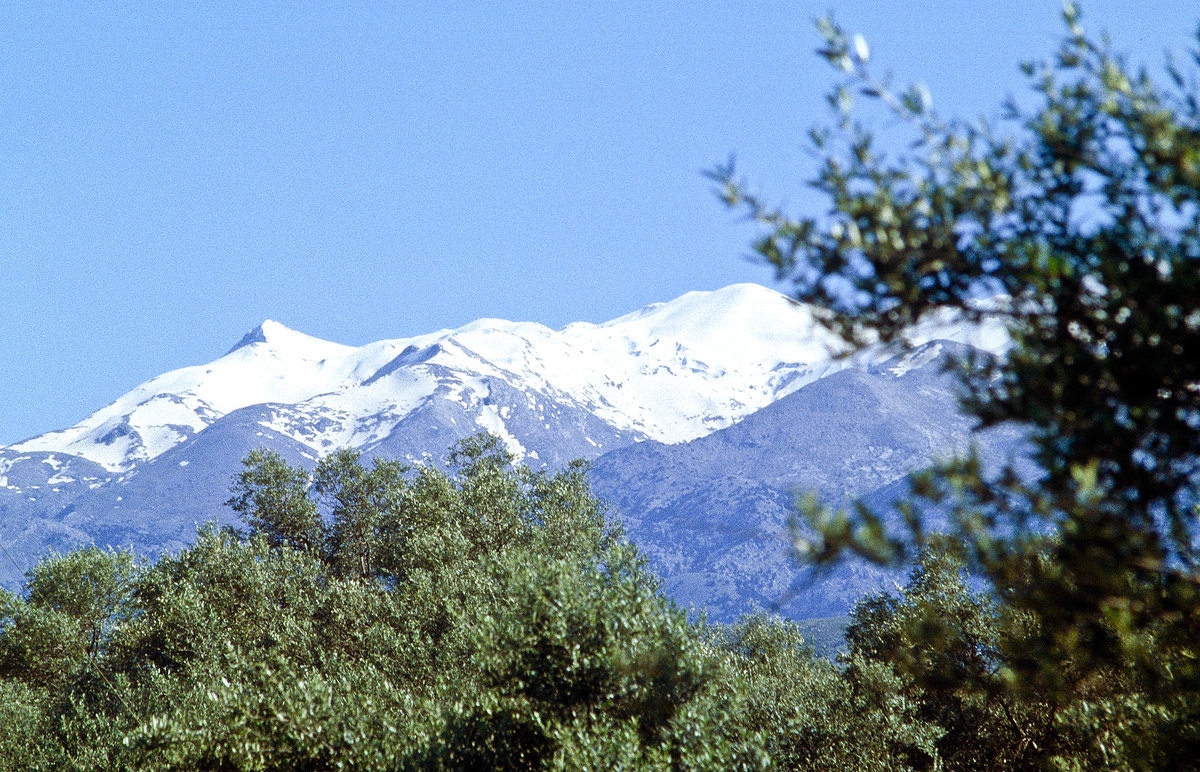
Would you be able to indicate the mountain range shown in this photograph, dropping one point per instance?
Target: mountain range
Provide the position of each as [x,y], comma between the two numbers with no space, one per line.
[703,417]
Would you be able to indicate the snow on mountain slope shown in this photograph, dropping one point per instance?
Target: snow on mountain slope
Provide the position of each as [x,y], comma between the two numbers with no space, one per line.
[671,372]
[271,364]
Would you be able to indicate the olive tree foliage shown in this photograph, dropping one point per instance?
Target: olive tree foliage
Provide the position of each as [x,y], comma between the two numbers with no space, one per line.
[488,616]
[947,644]
[1080,209]
[378,617]
[815,716]
[64,624]
[272,497]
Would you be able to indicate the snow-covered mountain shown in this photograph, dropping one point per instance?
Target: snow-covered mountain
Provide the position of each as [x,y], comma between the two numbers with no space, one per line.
[669,372]
[713,514]
[145,469]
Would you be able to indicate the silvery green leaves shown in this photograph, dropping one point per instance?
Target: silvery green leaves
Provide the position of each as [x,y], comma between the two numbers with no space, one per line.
[1078,217]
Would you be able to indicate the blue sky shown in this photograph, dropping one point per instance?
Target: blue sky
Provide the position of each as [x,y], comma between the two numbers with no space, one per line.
[171,174]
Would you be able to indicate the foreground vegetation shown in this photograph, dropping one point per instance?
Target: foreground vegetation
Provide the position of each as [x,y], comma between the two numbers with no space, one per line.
[1078,215]
[376,618]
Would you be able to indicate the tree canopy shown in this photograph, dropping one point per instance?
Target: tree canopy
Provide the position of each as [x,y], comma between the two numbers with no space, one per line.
[1075,218]
[377,617]
[488,618]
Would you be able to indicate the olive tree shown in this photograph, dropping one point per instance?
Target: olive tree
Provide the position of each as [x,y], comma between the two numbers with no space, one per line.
[1075,218]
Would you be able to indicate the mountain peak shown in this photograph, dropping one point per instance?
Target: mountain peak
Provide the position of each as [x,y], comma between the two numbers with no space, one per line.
[742,325]
[283,339]
[257,335]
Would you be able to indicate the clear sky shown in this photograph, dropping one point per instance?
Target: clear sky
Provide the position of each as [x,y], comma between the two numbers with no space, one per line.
[173,173]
